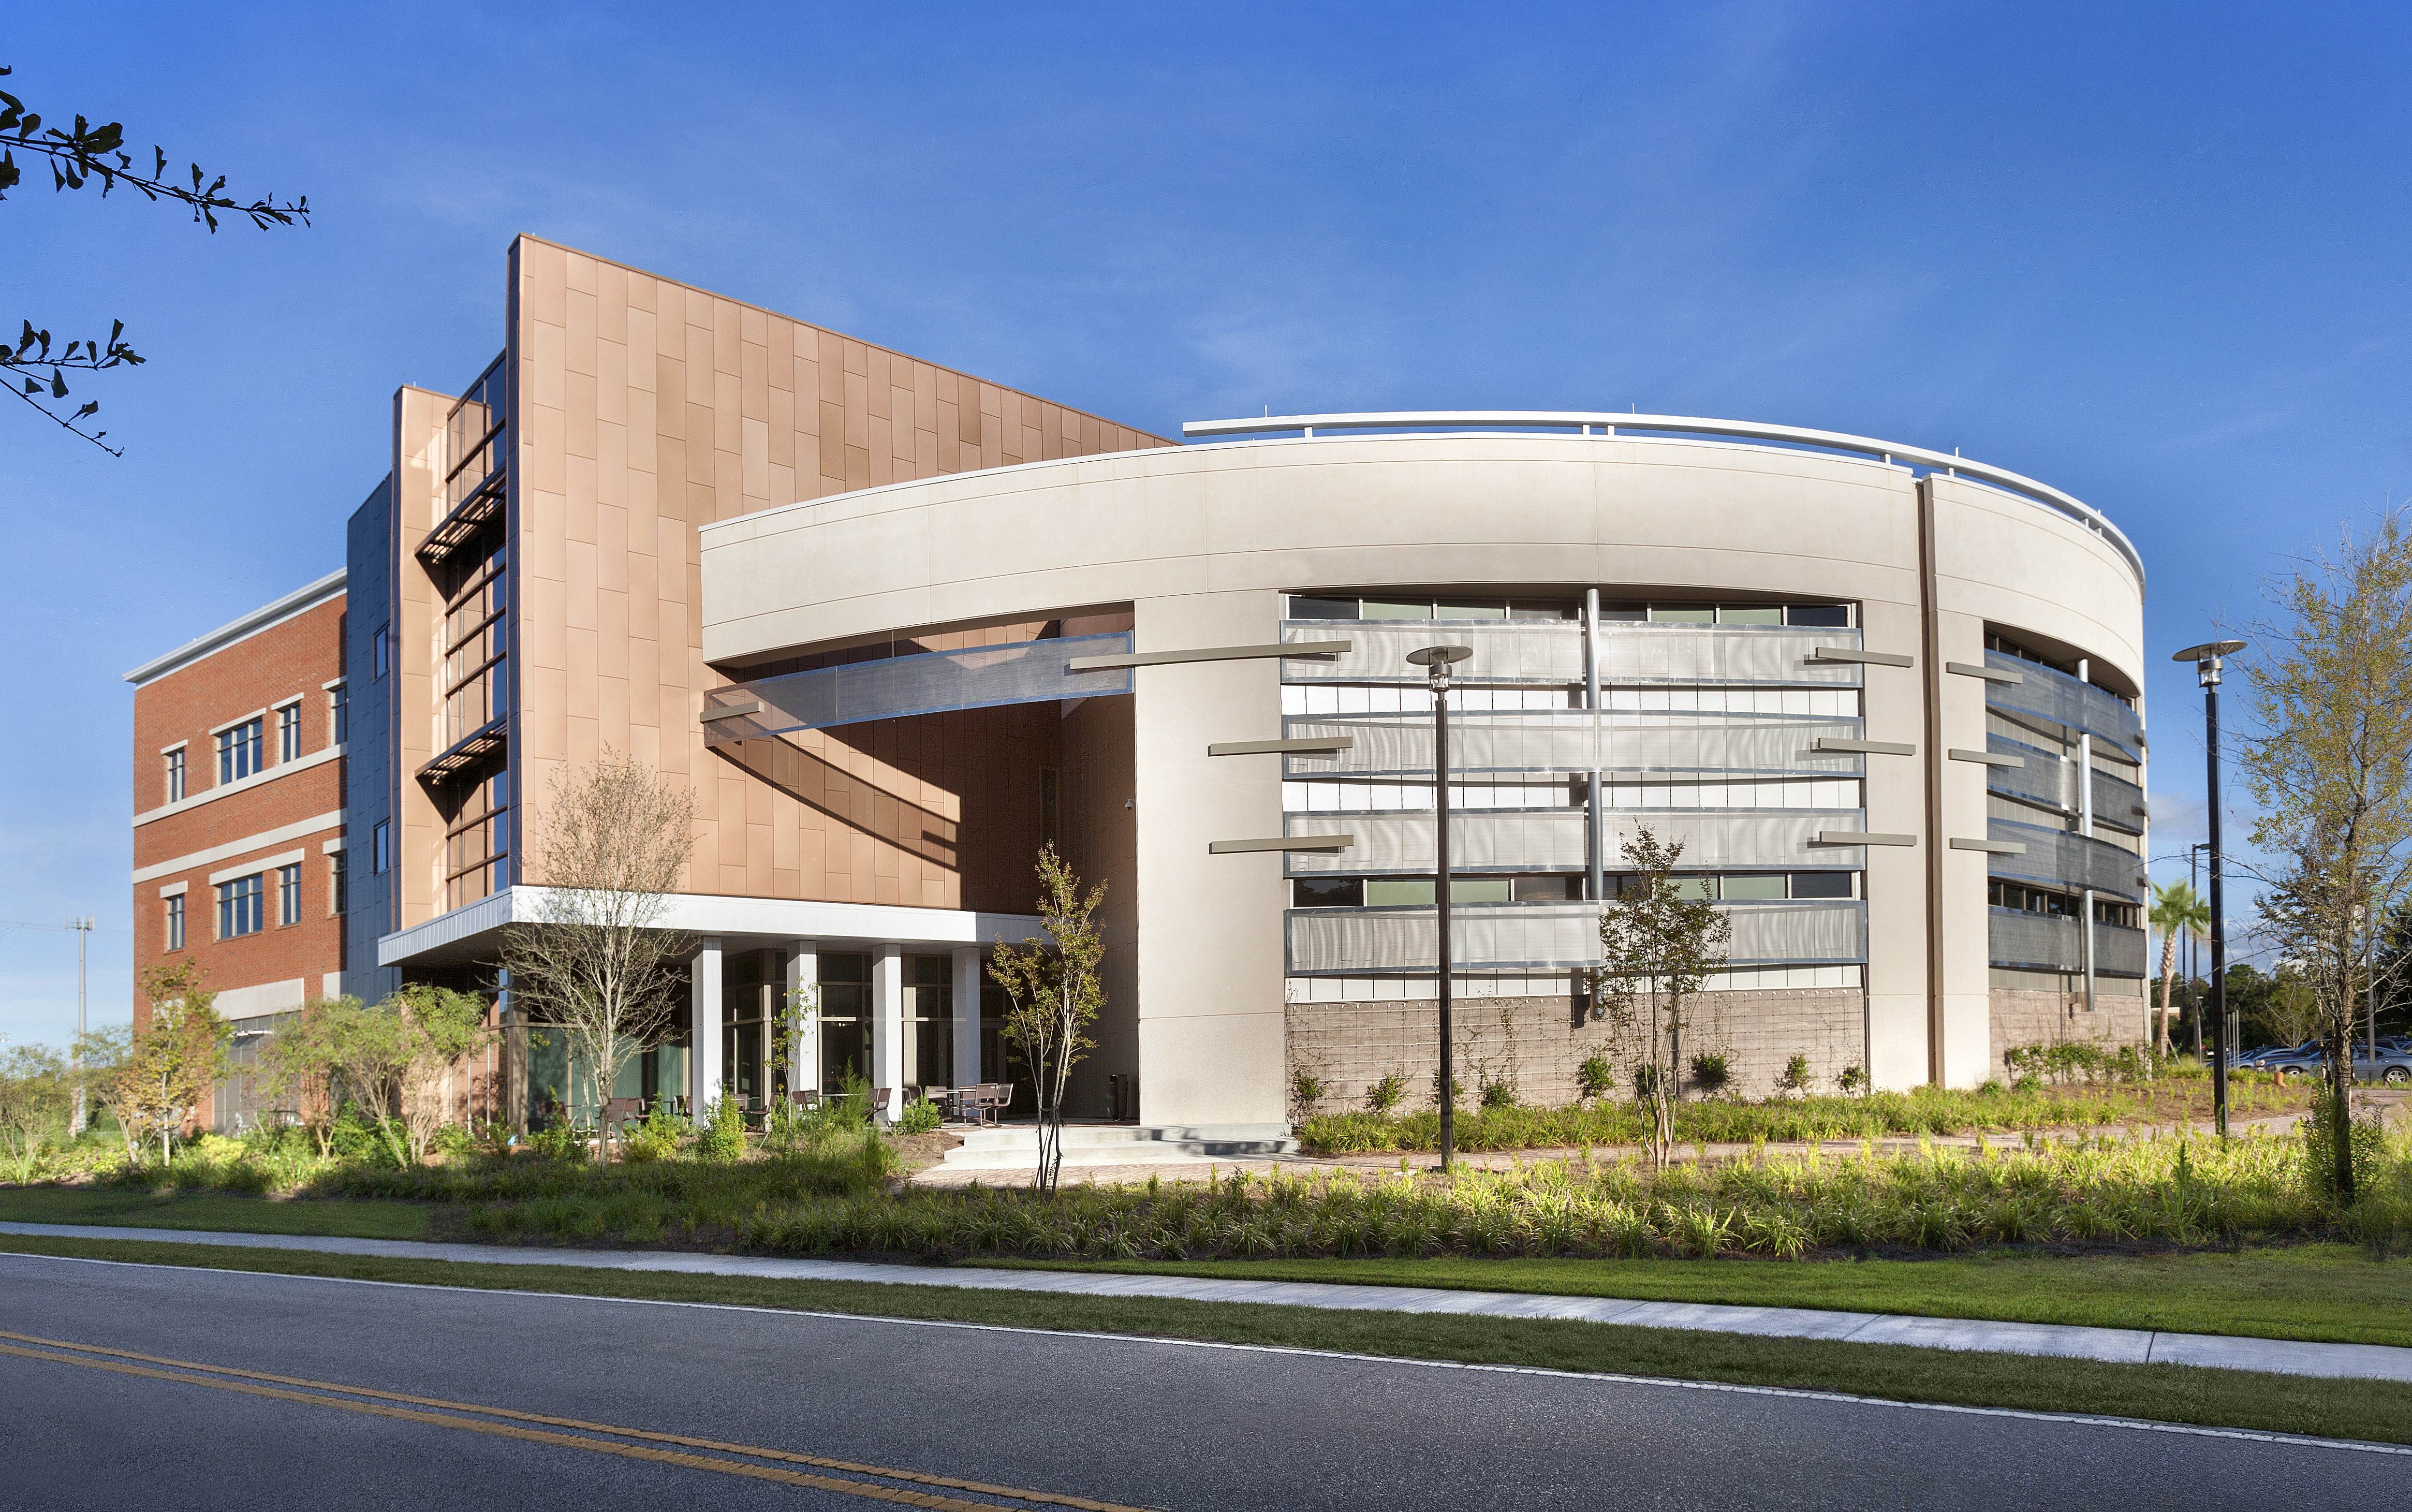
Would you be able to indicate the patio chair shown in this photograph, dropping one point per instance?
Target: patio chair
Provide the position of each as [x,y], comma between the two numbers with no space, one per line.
[880,1096]
[995,1098]
[620,1112]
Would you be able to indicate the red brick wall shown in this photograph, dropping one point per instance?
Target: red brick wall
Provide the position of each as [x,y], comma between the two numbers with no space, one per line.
[295,658]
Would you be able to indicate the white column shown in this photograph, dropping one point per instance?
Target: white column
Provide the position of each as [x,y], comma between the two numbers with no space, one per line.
[888,1024]
[967,1014]
[703,1065]
[2086,827]
[803,977]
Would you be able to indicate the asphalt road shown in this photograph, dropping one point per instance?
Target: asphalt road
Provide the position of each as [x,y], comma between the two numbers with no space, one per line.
[1128,1422]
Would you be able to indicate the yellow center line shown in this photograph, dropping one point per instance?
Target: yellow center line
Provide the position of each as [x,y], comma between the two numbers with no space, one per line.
[505,1430]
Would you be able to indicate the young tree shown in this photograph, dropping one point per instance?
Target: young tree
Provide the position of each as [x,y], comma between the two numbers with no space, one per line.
[85,155]
[1657,949]
[36,1097]
[2177,910]
[303,1059]
[1055,990]
[391,1061]
[596,963]
[2328,760]
[169,1065]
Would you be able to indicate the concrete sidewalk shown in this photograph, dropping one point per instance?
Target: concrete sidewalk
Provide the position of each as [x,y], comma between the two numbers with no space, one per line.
[2129,1346]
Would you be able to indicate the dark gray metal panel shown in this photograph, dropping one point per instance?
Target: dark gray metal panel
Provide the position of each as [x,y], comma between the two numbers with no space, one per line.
[371,747]
[2041,942]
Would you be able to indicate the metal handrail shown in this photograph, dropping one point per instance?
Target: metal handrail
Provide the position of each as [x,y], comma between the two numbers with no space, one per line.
[1611,423]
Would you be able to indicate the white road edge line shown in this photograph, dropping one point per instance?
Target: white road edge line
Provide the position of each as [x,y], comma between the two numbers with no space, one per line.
[2077,1419]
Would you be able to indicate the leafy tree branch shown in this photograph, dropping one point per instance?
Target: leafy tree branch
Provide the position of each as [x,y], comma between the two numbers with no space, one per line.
[78,157]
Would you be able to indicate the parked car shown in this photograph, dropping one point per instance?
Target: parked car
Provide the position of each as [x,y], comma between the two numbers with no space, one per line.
[2392,1066]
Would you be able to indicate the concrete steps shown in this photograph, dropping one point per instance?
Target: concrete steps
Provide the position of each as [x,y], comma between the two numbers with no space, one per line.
[1015,1146]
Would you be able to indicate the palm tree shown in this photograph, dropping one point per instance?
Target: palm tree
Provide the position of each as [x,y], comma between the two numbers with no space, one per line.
[2177,909]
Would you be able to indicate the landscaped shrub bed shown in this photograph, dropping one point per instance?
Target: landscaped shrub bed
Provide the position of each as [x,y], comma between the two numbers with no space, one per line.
[2191,1190]
[1722,1121]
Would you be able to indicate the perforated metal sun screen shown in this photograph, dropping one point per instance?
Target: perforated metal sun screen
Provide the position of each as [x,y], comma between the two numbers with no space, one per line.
[1502,936]
[1554,839]
[1025,671]
[1580,739]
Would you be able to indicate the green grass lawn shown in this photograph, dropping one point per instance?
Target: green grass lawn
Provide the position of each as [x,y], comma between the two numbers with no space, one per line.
[2357,1409]
[2329,1292]
[219,1210]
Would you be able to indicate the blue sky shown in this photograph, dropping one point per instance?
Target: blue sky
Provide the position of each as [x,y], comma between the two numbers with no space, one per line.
[2156,255]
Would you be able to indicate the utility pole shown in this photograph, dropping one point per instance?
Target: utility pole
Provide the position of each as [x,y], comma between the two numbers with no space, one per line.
[2206,659]
[83,934]
[1436,661]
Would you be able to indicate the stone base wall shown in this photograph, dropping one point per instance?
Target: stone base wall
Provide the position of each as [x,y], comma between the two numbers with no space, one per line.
[1534,1044]
[2048,1017]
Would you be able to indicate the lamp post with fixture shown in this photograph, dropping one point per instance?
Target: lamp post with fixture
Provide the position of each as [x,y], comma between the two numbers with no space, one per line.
[1437,661]
[2207,658]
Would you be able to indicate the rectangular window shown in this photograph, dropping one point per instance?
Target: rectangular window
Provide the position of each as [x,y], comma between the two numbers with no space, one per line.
[176,775]
[176,922]
[381,652]
[1753,885]
[239,750]
[288,733]
[381,848]
[1327,892]
[239,907]
[339,700]
[289,894]
[1821,884]
[336,882]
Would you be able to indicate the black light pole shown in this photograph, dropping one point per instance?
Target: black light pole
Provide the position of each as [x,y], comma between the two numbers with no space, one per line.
[2206,659]
[1437,660]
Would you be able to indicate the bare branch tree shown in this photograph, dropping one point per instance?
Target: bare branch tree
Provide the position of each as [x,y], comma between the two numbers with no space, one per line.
[84,155]
[2329,760]
[595,962]
[1657,949]
[1056,992]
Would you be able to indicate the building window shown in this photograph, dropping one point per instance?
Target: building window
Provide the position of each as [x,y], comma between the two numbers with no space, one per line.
[478,843]
[176,922]
[341,902]
[176,775]
[380,653]
[381,848]
[339,700]
[239,907]
[239,750]
[289,894]
[288,733]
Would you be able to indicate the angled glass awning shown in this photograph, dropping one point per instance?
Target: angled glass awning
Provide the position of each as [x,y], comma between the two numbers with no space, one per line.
[898,687]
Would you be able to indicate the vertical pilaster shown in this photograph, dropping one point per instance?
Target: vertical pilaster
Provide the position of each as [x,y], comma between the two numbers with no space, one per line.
[967,1014]
[804,1016]
[703,996]
[888,1024]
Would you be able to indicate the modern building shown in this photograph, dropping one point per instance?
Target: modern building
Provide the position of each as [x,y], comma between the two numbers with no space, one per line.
[899,627]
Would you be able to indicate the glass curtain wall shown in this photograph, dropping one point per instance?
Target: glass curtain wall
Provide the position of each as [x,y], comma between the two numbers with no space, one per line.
[752,996]
[845,1017]
[929,1021]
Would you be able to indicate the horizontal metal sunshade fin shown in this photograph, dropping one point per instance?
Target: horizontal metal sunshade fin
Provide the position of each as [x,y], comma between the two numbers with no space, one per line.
[1330,844]
[1206,654]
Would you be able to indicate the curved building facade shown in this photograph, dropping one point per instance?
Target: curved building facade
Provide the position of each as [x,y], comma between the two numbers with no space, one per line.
[1889,701]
